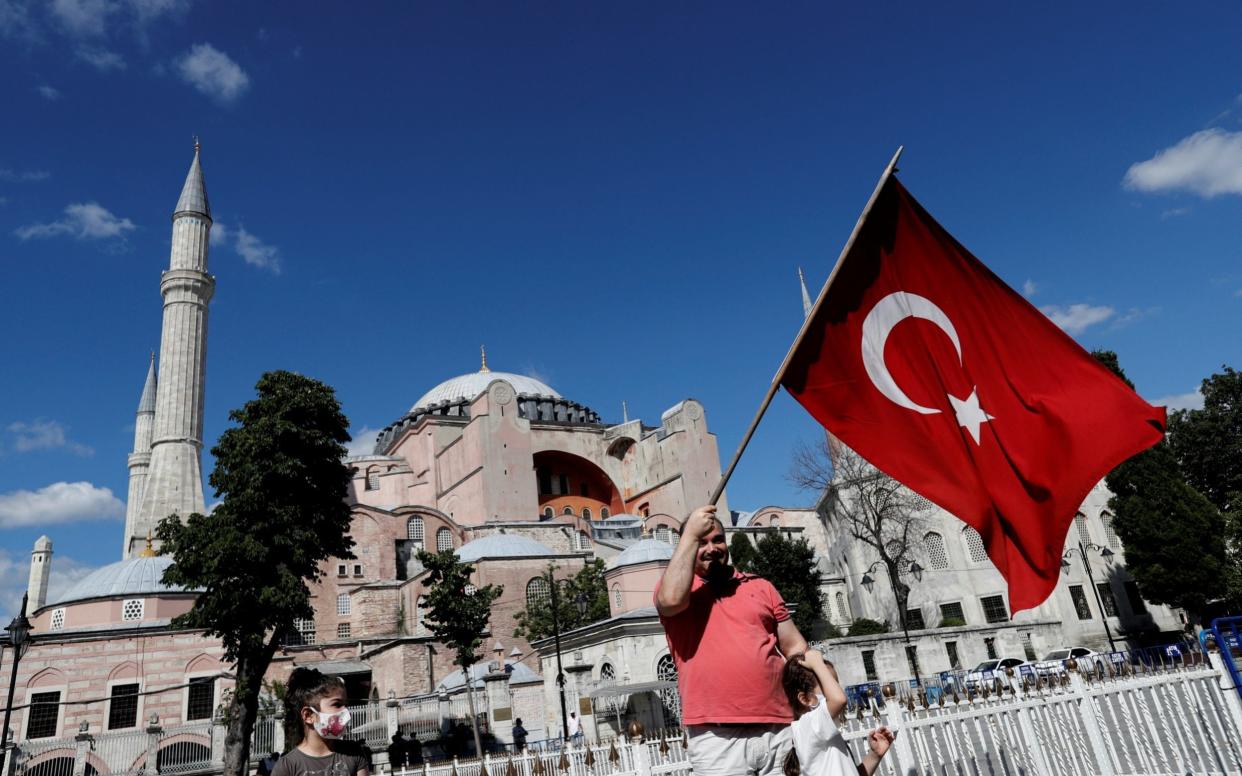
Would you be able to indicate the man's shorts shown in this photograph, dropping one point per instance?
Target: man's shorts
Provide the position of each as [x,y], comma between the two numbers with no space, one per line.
[739,750]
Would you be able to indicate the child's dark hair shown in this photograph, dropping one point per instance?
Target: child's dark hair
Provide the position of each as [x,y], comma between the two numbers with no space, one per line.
[306,687]
[797,678]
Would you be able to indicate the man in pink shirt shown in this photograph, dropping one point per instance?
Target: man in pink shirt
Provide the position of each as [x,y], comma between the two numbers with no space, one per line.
[729,634]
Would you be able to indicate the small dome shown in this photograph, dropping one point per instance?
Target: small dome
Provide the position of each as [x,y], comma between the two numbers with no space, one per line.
[466,387]
[644,551]
[502,546]
[133,577]
[521,674]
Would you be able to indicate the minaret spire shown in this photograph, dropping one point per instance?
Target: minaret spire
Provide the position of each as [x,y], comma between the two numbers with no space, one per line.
[806,298]
[174,478]
[140,458]
[483,352]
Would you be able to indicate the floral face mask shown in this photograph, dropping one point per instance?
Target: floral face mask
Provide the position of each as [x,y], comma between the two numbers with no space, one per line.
[331,725]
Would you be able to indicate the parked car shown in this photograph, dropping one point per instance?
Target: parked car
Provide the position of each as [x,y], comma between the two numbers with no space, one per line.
[1053,663]
[990,670]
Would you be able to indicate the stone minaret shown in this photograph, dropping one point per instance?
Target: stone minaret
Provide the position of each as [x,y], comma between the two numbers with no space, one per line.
[174,482]
[140,458]
[40,569]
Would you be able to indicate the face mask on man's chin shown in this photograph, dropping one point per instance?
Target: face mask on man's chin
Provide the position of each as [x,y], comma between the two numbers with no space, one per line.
[331,725]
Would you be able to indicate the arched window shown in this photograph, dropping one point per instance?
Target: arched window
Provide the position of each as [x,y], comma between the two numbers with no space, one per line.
[548,513]
[775,522]
[537,592]
[586,513]
[974,545]
[607,673]
[444,540]
[1080,522]
[616,597]
[843,613]
[933,543]
[662,534]
[568,510]
[414,530]
[1110,533]
[584,540]
[670,701]
[373,478]
[471,589]
[644,510]
[342,603]
[604,513]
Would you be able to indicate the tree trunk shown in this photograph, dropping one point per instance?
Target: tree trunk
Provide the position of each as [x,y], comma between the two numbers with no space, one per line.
[474,715]
[244,707]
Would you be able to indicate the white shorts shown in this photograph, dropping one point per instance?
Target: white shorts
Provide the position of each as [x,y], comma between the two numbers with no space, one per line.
[738,750]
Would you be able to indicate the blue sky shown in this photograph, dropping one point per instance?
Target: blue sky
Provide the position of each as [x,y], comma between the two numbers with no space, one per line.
[613,197]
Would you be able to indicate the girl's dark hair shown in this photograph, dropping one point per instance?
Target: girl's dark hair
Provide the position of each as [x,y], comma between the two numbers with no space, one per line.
[306,687]
[797,678]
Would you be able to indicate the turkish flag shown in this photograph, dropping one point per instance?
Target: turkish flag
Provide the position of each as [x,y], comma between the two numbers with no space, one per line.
[940,375]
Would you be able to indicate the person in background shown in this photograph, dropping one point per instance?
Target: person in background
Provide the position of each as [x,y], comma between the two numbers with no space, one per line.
[575,728]
[396,752]
[519,735]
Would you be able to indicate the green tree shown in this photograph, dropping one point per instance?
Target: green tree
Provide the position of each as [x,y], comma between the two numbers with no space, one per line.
[1208,442]
[1174,537]
[864,627]
[281,514]
[534,622]
[741,552]
[457,614]
[790,566]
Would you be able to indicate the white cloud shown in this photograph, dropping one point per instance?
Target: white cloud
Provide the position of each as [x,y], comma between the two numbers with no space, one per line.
[363,442]
[1029,288]
[254,251]
[85,221]
[44,435]
[213,73]
[1207,163]
[15,575]
[60,502]
[83,17]
[1174,212]
[48,92]
[1180,401]
[101,59]
[1077,318]
[23,176]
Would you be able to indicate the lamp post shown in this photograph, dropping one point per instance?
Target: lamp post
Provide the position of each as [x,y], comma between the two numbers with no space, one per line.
[19,640]
[560,672]
[869,582]
[1107,555]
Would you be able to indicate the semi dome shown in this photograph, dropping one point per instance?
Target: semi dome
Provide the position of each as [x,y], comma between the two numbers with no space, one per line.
[644,551]
[466,387]
[502,546]
[126,578]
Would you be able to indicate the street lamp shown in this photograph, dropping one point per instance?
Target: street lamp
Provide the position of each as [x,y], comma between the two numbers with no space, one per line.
[868,582]
[1107,555]
[560,673]
[19,640]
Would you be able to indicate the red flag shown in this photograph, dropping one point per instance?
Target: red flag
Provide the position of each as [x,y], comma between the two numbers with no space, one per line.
[930,367]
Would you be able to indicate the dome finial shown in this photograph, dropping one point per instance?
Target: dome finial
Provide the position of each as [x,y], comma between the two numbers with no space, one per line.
[149,551]
[197,145]
[483,353]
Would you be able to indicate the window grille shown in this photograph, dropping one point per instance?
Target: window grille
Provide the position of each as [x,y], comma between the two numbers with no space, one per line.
[989,644]
[342,630]
[58,618]
[537,592]
[994,608]
[342,603]
[974,545]
[123,706]
[44,715]
[1108,599]
[373,478]
[868,658]
[306,630]
[132,609]
[586,513]
[1080,602]
[584,540]
[414,530]
[444,540]
[662,534]
[549,513]
[616,597]
[340,569]
[933,543]
[1080,522]
[357,569]
[607,673]
[200,698]
[1110,534]
[952,611]
[843,613]
[471,589]
[666,670]
[914,619]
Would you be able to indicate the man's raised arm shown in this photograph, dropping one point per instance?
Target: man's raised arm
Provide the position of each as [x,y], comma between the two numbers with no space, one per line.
[674,594]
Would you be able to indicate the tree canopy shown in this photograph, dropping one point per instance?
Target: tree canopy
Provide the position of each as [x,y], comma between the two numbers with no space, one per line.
[1174,537]
[789,564]
[535,620]
[1208,442]
[282,485]
[741,552]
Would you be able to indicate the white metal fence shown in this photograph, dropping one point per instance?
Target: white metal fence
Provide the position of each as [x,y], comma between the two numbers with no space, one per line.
[1172,719]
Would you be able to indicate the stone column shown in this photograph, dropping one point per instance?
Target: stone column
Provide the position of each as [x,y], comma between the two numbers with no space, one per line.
[499,706]
[83,743]
[154,732]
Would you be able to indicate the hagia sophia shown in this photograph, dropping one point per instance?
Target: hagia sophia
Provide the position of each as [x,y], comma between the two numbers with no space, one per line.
[513,476]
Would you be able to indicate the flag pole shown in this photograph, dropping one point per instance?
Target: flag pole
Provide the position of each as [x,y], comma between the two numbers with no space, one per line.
[806,323]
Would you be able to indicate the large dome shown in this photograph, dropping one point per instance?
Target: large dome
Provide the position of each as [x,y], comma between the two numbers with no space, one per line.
[469,386]
[133,577]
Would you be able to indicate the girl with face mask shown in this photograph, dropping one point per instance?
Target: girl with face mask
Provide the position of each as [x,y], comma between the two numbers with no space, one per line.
[316,720]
